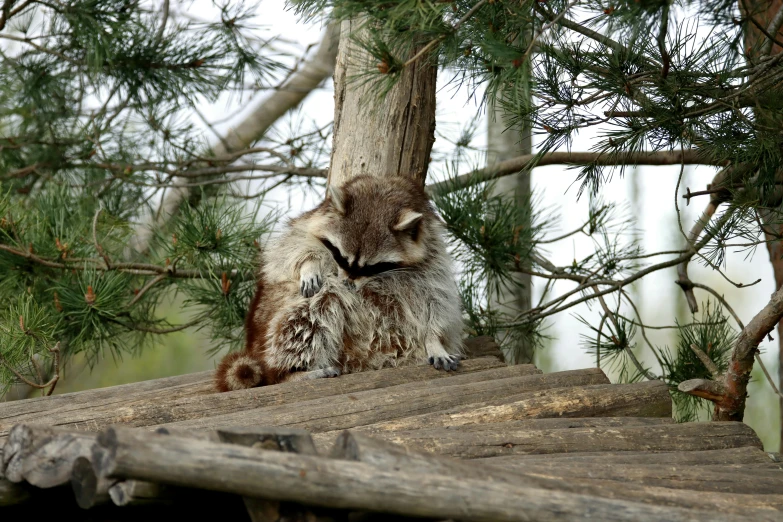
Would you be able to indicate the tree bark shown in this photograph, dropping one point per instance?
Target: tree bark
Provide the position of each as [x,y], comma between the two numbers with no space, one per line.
[359,409]
[504,144]
[195,401]
[354,485]
[764,12]
[392,136]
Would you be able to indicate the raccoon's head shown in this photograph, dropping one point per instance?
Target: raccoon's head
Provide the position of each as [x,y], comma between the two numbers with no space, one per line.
[373,226]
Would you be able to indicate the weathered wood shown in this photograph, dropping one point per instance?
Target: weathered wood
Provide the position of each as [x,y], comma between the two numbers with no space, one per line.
[369,407]
[747,456]
[720,479]
[17,412]
[43,456]
[140,493]
[324,441]
[89,489]
[362,448]
[154,408]
[494,440]
[643,399]
[355,485]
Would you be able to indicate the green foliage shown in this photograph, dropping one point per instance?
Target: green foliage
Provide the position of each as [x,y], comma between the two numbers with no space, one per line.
[714,336]
[94,98]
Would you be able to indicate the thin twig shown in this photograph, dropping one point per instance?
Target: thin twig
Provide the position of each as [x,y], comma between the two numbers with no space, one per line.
[427,48]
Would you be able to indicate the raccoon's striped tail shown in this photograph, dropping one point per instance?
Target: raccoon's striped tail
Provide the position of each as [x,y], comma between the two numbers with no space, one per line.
[239,371]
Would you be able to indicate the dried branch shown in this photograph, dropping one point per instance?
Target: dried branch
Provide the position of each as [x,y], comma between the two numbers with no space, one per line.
[529,161]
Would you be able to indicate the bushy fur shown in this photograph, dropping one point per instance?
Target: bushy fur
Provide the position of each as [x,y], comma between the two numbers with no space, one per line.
[363,281]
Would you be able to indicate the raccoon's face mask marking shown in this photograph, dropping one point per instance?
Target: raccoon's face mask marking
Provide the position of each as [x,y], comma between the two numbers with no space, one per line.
[354,269]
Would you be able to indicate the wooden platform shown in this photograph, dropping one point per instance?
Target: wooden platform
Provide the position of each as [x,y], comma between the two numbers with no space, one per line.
[488,442]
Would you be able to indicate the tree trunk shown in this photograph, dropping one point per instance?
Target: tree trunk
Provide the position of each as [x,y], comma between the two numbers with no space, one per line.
[504,144]
[392,136]
[764,12]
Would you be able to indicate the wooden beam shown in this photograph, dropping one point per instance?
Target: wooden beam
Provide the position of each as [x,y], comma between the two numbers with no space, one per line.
[193,401]
[490,440]
[355,485]
[368,407]
[644,399]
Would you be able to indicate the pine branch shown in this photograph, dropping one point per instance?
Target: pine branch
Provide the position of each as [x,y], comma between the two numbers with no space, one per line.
[268,111]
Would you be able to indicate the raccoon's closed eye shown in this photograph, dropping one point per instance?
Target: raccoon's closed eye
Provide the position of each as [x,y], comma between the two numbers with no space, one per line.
[377,268]
[337,255]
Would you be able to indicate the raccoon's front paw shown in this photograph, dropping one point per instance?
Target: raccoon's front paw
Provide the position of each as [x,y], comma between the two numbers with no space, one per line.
[445,362]
[324,373]
[310,284]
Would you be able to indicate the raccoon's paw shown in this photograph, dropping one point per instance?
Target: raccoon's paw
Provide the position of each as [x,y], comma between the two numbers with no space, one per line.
[310,284]
[324,373]
[445,362]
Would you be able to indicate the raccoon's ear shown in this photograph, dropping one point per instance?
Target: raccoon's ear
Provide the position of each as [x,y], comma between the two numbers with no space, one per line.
[337,198]
[407,220]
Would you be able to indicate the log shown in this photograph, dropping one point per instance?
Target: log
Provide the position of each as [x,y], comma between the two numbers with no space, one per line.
[490,440]
[720,479]
[359,486]
[324,441]
[158,407]
[643,399]
[140,493]
[89,489]
[384,455]
[43,456]
[369,407]
[18,412]
[747,456]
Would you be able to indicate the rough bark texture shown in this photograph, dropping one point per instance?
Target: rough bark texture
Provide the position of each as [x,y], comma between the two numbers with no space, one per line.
[392,136]
[496,440]
[355,485]
[384,455]
[191,402]
[756,42]
[359,409]
[503,144]
[647,399]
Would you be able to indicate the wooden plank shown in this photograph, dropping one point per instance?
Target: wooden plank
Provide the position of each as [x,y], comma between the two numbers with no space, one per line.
[362,448]
[360,486]
[193,402]
[490,440]
[747,456]
[369,407]
[324,441]
[643,399]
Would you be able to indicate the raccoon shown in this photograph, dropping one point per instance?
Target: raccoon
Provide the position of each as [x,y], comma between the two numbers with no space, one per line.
[363,281]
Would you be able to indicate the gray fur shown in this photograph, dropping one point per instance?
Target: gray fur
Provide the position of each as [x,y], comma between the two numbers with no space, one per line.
[427,324]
